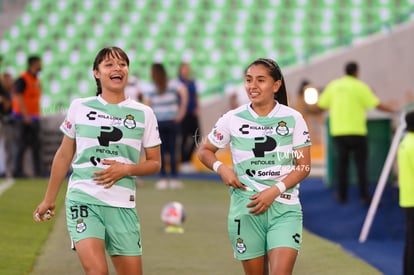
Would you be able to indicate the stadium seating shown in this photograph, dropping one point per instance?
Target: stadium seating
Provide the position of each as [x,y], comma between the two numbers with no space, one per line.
[219,37]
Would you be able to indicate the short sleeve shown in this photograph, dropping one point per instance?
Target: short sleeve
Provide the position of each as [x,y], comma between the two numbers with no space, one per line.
[369,99]
[324,98]
[301,136]
[68,125]
[220,134]
[151,135]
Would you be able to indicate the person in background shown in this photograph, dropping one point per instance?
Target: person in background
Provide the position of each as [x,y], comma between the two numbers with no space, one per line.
[6,121]
[26,112]
[348,100]
[236,95]
[405,159]
[169,101]
[270,149]
[103,136]
[190,126]
[310,112]
[133,91]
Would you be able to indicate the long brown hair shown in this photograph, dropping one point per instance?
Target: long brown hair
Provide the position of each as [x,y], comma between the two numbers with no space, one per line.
[159,76]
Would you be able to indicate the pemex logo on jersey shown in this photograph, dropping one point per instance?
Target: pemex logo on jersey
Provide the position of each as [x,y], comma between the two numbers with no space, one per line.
[262,145]
[109,133]
[129,122]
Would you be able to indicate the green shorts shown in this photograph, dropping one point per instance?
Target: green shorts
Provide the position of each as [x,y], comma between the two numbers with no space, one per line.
[119,227]
[253,236]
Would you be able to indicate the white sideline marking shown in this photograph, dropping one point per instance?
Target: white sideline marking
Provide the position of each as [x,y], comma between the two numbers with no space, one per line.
[6,184]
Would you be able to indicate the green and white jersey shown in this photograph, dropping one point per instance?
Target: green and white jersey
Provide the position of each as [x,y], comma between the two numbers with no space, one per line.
[107,131]
[263,148]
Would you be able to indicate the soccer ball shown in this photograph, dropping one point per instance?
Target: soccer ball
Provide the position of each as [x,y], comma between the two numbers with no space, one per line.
[173,214]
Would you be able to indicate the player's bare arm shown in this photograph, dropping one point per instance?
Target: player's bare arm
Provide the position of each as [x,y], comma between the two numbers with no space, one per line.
[207,155]
[60,166]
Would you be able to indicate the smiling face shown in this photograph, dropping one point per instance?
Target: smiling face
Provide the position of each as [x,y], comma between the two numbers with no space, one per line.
[260,86]
[110,70]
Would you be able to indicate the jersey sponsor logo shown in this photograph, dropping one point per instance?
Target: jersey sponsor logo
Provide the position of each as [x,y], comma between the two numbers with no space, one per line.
[244,129]
[91,115]
[282,128]
[268,173]
[296,237]
[307,137]
[67,124]
[262,162]
[106,151]
[129,122]
[262,173]
[262,145]
[95,160]
[250,172]
[109,133]
[217,135]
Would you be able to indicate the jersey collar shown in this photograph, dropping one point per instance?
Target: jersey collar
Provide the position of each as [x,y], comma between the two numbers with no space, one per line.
[104,102]
[270,114]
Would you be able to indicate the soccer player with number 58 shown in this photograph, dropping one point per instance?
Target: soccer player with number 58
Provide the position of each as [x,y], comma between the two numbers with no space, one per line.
[103,135]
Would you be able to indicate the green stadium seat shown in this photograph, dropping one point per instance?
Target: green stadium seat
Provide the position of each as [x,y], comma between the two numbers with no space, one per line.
[218,37]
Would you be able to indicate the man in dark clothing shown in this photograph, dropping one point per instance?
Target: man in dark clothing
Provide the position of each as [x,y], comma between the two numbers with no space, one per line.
[26,111]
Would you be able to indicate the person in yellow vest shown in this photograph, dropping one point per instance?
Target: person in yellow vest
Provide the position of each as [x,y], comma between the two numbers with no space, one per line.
[348,100]
[405,160]
[26,110]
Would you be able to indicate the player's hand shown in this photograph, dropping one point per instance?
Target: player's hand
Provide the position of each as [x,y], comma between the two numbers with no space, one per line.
[261,201]
[229,178]
[109,176]
[44,212]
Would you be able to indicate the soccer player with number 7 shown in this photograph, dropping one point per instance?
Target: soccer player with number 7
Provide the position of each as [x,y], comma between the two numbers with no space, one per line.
[270,149]
[103,135]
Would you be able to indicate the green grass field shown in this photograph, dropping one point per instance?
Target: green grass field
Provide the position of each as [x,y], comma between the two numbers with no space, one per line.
[32,248]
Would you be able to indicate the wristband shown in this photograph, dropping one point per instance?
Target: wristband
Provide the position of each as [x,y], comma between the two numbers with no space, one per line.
[216,165]
[281,186]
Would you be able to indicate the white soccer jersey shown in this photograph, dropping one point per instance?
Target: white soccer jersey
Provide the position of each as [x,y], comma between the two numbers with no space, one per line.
[165,105]
[263,148]
[107,131]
